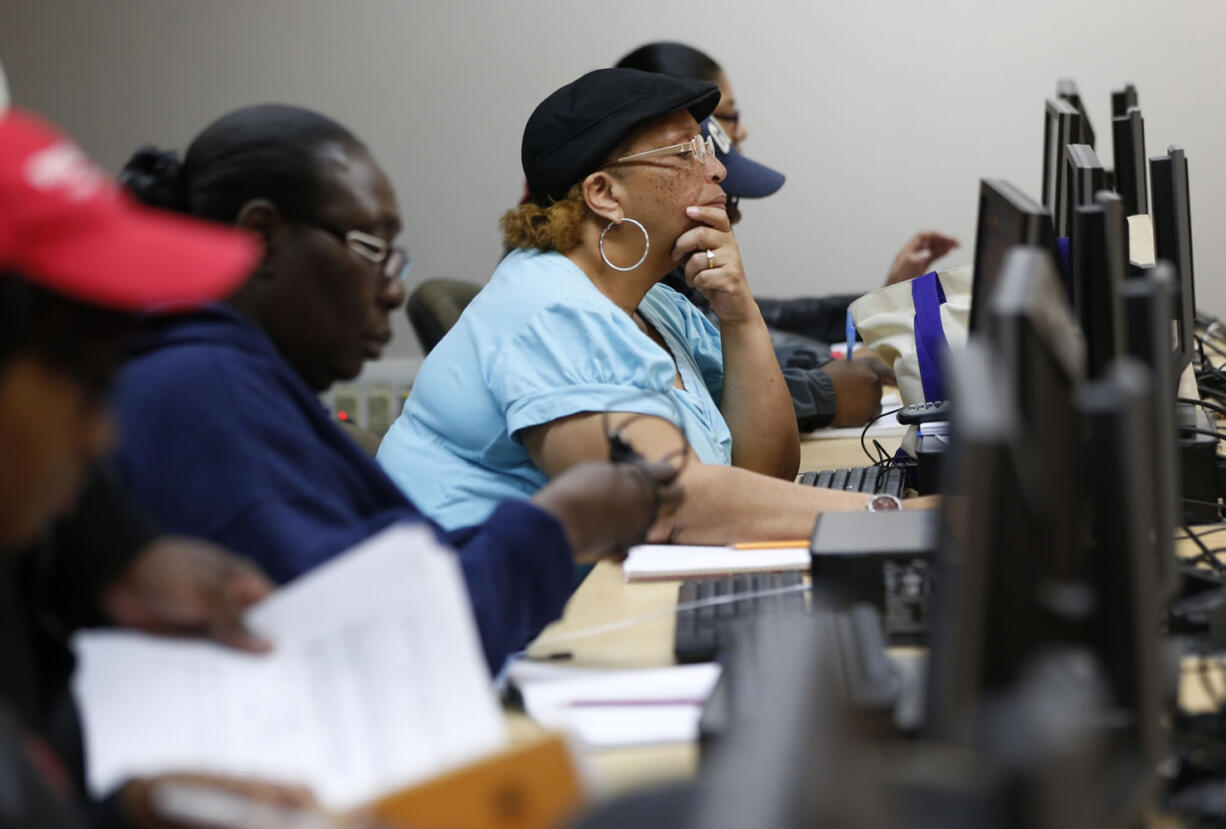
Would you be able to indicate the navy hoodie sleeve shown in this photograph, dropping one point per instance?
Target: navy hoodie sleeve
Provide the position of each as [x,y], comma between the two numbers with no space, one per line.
[519,572]
[229,445]
[516,565]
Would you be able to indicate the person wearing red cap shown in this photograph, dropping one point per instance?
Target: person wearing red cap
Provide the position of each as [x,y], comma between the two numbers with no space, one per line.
[78,259]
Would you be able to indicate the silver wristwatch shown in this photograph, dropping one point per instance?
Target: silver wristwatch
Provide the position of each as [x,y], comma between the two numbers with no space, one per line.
[883,503]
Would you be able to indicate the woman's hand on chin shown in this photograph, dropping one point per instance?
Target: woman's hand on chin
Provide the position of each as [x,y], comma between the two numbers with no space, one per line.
[712,262]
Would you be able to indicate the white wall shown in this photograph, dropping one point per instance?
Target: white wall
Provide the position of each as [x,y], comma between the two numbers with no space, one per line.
[883,114]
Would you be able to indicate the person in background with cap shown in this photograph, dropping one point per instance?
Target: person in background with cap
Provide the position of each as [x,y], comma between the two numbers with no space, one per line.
[824,392]
[573,325]
[224,436]
[77,262]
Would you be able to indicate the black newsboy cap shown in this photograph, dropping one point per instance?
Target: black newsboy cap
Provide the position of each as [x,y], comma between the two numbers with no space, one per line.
[573,130]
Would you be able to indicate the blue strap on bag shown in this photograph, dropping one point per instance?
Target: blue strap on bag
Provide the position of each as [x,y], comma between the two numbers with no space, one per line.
[930,344]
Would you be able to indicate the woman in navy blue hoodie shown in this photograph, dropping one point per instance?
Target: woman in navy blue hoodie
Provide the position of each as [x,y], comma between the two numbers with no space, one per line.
[223,435]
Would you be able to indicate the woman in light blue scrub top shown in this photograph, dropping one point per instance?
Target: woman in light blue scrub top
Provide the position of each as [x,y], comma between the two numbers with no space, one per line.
[573,336]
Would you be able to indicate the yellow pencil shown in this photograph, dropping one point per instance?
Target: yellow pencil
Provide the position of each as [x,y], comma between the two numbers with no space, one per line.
[771,545]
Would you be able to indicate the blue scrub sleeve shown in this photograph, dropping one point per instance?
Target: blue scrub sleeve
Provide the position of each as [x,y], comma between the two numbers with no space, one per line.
[575,358]
[699,334]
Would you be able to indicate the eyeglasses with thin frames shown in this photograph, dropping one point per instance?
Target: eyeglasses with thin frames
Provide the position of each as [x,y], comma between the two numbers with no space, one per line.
[393,261]
[698,147]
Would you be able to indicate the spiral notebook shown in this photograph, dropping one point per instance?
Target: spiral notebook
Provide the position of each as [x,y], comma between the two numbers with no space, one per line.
[659,562]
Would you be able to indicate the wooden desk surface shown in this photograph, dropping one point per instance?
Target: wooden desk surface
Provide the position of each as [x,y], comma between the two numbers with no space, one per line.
[605,598]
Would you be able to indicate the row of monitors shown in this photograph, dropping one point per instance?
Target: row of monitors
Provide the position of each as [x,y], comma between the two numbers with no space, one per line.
[1094,260]
[1067,123]
[1063,466]
[1057,531]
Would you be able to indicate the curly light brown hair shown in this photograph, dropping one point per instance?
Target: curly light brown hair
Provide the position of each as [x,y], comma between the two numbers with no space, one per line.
[556,227]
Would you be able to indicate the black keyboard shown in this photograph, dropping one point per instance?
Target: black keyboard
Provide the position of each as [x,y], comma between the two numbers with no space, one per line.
[703,632]
[875,480]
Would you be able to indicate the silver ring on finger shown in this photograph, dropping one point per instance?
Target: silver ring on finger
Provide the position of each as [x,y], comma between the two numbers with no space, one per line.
[710,260]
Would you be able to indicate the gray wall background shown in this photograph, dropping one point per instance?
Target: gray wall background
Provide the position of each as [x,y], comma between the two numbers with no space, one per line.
[884,113]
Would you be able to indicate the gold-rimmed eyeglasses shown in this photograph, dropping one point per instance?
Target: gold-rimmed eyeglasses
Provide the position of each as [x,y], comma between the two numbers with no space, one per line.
[698,147]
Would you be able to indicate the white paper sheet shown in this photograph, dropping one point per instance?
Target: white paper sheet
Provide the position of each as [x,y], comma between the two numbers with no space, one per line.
[646,562]
[377,680]
[619,708]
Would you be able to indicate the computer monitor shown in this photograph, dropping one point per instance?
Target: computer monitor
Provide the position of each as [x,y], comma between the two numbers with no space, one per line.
[981,492]
[1123,634]
[1011,512]
[1123,100]
[1061,127]
[1128,141]
[1085,176]
[1147,306]
[1172,220]
[1033,329]
[1007,217]
[1099,254]
[794,754]
[1066,90]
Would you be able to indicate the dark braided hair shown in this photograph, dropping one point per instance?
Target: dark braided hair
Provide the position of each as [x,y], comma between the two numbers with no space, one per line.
[267,151]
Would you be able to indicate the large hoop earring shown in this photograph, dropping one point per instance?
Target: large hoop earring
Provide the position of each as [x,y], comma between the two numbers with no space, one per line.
[646,245]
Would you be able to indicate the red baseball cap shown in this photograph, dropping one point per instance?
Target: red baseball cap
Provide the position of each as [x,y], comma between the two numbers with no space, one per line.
[66,226]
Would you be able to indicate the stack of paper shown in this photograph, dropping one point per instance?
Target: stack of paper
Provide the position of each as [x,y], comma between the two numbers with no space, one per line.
[376,681]
[617,708]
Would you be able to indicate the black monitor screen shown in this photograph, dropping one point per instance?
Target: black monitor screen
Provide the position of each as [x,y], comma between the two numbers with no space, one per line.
[1128,140]
[1007,217]
[1084,177]
[1012,507]
[979,505]
[1147,304]
[1032,327]
[1062,126]
[1173,243]
[1122,100]
[1119,484]
[1099,248]
[1066,90]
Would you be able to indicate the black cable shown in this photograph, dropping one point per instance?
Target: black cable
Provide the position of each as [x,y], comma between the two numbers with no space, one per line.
[1215,390]
[1205,553]
[1206,344]
[1211,407]
[1199,502]
[1209,372]
[864,434]
[1210,433]
[1187,567]
[1206,376]
[1202,671]
[1201,534]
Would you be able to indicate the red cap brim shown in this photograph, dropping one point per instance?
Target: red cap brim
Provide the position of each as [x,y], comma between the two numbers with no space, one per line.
[68,228]
[141,259]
